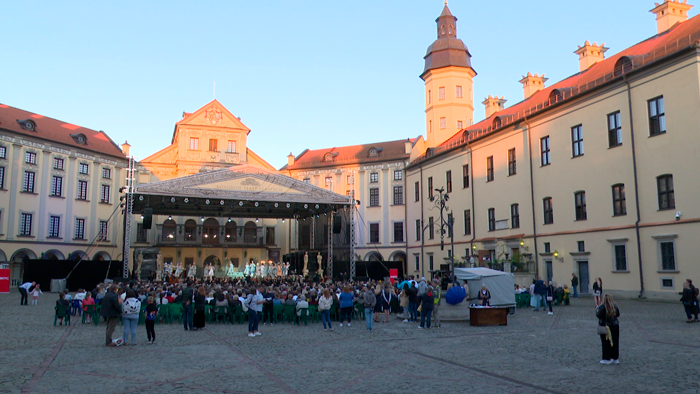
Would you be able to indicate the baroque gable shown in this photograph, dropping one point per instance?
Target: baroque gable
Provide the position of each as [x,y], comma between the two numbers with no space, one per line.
[213,115]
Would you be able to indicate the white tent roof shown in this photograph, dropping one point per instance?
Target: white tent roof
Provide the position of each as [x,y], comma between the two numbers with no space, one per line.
[477,273]
[499,283]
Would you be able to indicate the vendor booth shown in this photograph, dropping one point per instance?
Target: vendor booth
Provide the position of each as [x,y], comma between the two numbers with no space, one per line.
[500,284]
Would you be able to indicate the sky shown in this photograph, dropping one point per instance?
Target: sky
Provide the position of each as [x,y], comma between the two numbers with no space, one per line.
[300,74]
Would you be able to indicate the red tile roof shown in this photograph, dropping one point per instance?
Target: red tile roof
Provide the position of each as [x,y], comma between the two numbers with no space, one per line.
[354,154]
[53,130]
[682,36]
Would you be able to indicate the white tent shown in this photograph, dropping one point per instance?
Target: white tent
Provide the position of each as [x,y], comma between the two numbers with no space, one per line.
[500,284]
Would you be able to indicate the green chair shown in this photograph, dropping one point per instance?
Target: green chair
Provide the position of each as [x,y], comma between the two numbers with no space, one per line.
[290,313]
[220,313]
[90,311]
[62,311]
[278,313]
[163,314]
[359,310]
[334,312]
[209,313]
[314,316]
[96,316]
[142,315]
[303,315]
[175,311]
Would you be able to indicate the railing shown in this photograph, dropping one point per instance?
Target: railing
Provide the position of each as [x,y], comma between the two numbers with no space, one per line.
[383,155]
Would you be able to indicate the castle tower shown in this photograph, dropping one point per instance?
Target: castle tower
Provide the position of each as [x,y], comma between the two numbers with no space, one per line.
[448,77]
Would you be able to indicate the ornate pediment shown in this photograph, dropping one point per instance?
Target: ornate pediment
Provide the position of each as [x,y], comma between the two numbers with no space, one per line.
[213,115]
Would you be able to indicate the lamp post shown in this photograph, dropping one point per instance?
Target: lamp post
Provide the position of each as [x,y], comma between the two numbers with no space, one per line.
[446,224]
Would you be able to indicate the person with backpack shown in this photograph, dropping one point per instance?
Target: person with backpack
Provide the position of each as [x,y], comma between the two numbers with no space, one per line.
[436,303]
[131,307]
[412,293]
[427,306]
[690,300]
[151,315]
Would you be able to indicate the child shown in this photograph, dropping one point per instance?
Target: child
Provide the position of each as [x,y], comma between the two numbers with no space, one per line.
[35,294]
[151,314]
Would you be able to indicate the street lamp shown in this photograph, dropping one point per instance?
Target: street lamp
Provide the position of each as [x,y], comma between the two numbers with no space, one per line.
[446,225]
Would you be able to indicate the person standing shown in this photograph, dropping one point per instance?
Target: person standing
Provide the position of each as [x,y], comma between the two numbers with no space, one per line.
[199,302]
[24,289]
[346,301]
[35,295]
[690,301]
[485,296]
[254,301]
[436,303]
[427,305]
[540,294]
[412,293]
[268,307]
[151,315]
[131,308]
[370,300]
[187,298]
[403,297]
[549,298]
[597,291]
[111,310]
[324,307]
[607,314]
[574,284]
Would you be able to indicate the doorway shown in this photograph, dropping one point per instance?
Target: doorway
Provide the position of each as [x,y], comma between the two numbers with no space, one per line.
[550,274]
[583,276]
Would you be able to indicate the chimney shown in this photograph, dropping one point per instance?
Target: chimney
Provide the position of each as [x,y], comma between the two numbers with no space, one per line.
[290,160]
[669,13]
[493,105]
[532,84]
[125,148]
[589,55]
[407,145]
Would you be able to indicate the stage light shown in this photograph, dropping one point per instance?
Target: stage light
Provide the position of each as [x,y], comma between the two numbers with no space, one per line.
[170,218]
[256,220]
[229,220]
[282,220]
[202,218]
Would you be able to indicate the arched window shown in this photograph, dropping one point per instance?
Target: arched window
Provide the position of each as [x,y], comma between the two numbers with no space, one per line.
[250,233]
[449,30]
[373,152]
[622,66]
[555,96]
[496,123]
[230,232]
[210,231]
[328,157]
[190,230]
[169,229]
[442,29]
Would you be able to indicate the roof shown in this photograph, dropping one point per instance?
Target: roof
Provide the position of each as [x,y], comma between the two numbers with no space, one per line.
[655,49]
[54,130]
[353,154]
[447,50]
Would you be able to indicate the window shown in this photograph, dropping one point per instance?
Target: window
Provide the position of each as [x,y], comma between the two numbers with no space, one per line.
[465,176]
[190,230]
[668,256]
[458,92]
[450,224]
[467,222]
[417,191]
[25,224]
[430,126]
[443,123]
[374,233]
[79,229]
[351,179]
[106,173]
[307,180]
[430,187]
[2,178]
[3,152]
[431,228]
[398,232]
[373,152]
[512,170]
[492,219]
[441,91]
[580,203]
[430,262]
[577,141]
[374,177]
[548,212]
[489,169]
[547,247]
[194,143]
[619,203]
[581,246]
[614,130]
[398,175]
[430,93]
[664,184]
[142,233]
[54,226]
[667,283]
[30,157]
[515,216]
[657,116]
[56,186]
[418,230]
[398,195]
[448,181]
[374,197]
[328,181]
[270,235]
[82,190]
[460,124]
[231,147]
[213,145]
[84,168]
[102,236]
[58,163]
[105,193]
[544,151]
[28,184]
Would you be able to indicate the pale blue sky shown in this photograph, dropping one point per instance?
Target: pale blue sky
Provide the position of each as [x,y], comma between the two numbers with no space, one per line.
[300,74]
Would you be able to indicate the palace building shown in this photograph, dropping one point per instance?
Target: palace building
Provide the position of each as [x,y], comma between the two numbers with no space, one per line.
[590,175]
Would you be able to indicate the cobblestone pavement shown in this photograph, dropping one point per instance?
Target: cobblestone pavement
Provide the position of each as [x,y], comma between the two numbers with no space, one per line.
[535,353]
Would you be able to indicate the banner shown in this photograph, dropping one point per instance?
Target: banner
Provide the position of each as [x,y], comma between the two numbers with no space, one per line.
[4,280]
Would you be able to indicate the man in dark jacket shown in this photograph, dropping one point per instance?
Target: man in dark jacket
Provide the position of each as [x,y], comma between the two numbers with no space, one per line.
[187,313]
[574,284]
[412,294]
[540,294]
[111,310]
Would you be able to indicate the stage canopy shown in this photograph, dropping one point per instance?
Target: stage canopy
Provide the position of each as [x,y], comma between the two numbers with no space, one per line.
[238,191]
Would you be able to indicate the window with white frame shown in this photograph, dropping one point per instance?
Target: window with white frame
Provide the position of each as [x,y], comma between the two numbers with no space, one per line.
[103,231]
[2,178]
[374,233]
[58,163]
[418,230]
[577,141]
[441,93]
[398,195]
[458,91]
[443,123]
[351,179]
[79,229]
[30,157]
[3,152]
[56,186]
[614,130]
[544,151]
[194,143]
[25,224]
[667,254]
[83,168]
[328,181]
[54,226]
[231,147]
[82,190]
[398,232]
[398,175]
[619,251]
[416,259]
[28,183]
[105,192]
[374,177]
[374,197]
[106,173]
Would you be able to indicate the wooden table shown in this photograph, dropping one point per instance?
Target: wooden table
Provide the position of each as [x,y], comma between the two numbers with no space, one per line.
[488,316]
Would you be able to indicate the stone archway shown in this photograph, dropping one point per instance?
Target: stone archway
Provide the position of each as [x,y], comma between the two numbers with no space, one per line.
[53,254]
[102,256]
[17,260]
[78,255]
[374,256]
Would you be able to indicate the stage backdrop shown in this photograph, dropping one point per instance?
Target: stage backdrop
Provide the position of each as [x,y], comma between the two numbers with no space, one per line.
[86,275]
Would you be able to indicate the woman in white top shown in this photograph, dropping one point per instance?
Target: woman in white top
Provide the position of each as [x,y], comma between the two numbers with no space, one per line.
[324,307]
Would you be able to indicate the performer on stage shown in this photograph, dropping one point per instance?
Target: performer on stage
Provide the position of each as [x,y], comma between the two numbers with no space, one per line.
[246,270]
[253,269]
[178,270]
[263,269]
[279,270]
[191,271]
[230,271]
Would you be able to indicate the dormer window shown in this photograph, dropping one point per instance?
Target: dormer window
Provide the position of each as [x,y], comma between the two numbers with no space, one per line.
[330,157]
[622,66]
[496,123]
[374,152]
[27,124]
[79,138]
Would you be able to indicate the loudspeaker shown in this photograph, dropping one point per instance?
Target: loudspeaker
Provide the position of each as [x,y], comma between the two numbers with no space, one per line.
[337,222]
[147,218]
